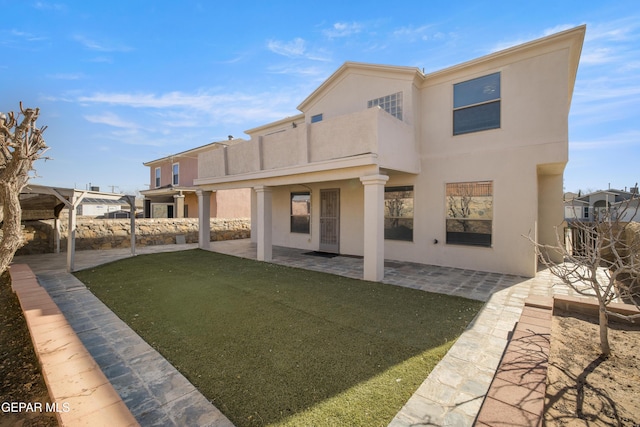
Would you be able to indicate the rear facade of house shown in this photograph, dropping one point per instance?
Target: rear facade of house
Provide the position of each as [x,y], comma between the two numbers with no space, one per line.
[452,168]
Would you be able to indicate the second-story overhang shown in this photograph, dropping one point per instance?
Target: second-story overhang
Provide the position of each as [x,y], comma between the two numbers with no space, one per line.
[371,139]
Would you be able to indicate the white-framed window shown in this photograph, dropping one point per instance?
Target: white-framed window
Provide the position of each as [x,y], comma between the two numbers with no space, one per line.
[476,104]
[175,168]
[157,178]
[301,212]
[317,118]
[585,211]
[392,104]
[469,213]
[398,213]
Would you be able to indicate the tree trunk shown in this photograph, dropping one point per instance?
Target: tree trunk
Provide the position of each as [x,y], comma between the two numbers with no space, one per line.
[20,145]
[11,226]
[604,330]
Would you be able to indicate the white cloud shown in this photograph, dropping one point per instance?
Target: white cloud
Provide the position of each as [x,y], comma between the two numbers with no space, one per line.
[101,59]
[291,49]
[66,76]
[597,56]
[299,70]
[198,101]
[111,119]
[627,138]
[297,49]
[343,29]
[179,109]
[520,40]
[558,29]
[49,6]
[620,30]
[412,33]
[26,36]
[101,46]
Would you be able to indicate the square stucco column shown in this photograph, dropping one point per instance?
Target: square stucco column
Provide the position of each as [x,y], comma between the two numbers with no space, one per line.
[374,226]
[263,232]
[178,201]
[204,219]
[254,217]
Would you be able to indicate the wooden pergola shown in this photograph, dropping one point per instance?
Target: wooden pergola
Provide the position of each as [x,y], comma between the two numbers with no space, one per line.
[40,202]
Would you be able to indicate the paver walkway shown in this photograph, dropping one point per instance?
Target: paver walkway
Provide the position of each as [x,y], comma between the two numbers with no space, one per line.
[153,390]
[157,395]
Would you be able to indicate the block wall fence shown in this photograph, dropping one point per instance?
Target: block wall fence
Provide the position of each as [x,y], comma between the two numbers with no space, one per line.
[115,233]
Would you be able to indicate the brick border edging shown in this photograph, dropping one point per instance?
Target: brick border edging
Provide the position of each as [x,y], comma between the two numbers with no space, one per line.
[77,386]
[517,392]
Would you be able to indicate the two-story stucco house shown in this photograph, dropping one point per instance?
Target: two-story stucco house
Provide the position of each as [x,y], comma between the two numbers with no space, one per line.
[450,168]
[586,208]
[172,194]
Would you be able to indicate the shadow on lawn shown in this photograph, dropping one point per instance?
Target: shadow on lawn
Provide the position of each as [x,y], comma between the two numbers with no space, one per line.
[269,344]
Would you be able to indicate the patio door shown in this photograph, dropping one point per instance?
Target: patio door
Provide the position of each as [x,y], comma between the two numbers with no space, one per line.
[330,220]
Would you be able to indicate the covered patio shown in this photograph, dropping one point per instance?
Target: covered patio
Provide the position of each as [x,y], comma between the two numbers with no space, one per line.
[39,202]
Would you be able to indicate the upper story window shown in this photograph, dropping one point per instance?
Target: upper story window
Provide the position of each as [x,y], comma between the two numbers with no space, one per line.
[476,104]
[176,173]
[392,104]
[316,118]
[157,177]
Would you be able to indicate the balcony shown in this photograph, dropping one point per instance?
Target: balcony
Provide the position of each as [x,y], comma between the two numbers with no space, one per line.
[371,136]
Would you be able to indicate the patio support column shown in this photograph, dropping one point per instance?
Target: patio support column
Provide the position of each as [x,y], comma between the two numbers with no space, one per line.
[263,232]
[204,219]
[71,235]
[374,226]
[254,216]
[132,222]
[56,235]
[178,201]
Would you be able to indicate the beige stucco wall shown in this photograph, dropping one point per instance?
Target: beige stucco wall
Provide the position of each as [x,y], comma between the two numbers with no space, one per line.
[351,227]
[534,102]
[232,203]
[351,93]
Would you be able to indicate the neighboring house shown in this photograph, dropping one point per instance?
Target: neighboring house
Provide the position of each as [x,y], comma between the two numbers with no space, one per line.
[452,168]
[172,194]
[587,208]
[96,206]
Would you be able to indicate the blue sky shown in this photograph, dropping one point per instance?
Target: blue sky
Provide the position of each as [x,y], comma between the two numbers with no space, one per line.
[124,82]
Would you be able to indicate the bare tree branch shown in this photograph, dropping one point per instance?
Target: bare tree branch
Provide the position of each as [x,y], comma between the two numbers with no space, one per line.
[21,144]
[601,259]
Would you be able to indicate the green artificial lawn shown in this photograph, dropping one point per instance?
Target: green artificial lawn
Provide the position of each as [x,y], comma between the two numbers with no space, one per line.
[274,345]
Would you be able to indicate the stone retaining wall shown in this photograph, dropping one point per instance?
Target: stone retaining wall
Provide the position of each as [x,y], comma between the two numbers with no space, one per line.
[114,233]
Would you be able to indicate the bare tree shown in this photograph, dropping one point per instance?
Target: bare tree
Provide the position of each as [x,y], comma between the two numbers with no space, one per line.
[396,206]
[21,144]
[459,205]
[602,259]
